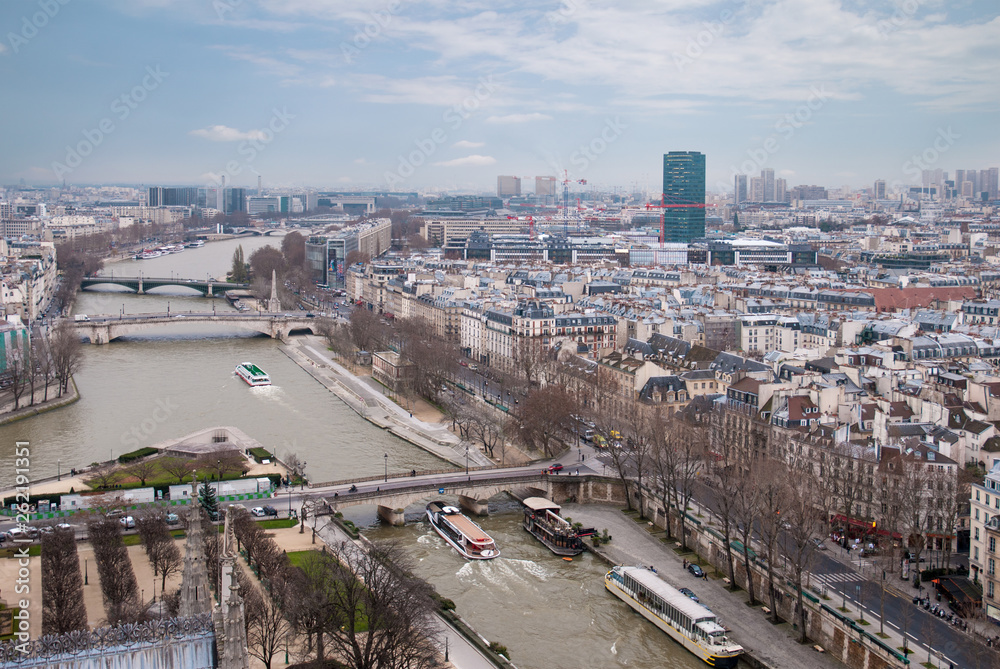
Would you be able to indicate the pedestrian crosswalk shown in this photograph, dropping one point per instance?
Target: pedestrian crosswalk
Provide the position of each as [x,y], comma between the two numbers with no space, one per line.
[837,578]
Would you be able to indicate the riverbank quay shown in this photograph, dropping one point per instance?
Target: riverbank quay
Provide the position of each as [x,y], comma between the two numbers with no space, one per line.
[309,352]
[69,397]
[464,647]
[769,646]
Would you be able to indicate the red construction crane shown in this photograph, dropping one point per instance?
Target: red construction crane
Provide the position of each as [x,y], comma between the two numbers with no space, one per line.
[673,205]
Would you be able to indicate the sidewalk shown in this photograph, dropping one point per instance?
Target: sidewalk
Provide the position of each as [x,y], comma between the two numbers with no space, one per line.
[362,396]
[774,645]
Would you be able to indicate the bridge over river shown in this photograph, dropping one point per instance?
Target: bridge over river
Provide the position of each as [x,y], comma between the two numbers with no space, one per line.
[140,284]
[105,328]
[473,489]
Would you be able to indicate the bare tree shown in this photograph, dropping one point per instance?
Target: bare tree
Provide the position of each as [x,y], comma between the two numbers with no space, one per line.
[118,584]
[770,481]
[529,360]
[143,469]
[46,367]
[66,354]
[746,511]
[18,373]
[104,475]
[677,461]
[63,610]
[431,357]
[161,549]
[221,463]
[804,521]
[175,466]
[486,425]
[365,329]
[542,417]
[382,616]
[267,625]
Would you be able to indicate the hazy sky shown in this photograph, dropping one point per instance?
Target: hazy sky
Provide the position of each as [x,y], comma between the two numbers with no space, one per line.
[413,94]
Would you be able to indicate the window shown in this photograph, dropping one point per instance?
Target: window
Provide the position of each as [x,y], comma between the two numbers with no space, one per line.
[992,545]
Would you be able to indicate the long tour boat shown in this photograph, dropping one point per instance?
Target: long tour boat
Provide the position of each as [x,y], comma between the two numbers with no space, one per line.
[542,519]
[686,621]
[252,374]
[464,535]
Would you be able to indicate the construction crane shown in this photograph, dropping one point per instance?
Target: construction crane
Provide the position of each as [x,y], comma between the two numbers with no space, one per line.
[673,204]
[566,181]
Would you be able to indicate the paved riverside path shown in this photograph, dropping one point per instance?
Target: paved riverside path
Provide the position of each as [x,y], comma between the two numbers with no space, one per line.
[462,654]
[363,396]
[774,645]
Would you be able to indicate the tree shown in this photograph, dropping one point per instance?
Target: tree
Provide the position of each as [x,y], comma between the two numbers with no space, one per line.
[365,329]
[486,425]
[118,584]
[142,470]
[209,501]
[543,416]
[240,272]
[293,248]
[677,461]
[529,360]
[63,610]
[104,476]
[630,435]
[374,612]
[770,481]
[161,549]
[266,260]
[221,463]
[66,354]
[804,522]
[746,509]
[46,367]
[267,625]
[175,466]
[18,373]
[431,357]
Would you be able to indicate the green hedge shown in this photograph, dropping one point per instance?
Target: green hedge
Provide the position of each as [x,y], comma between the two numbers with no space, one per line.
[259,453]
[125,458]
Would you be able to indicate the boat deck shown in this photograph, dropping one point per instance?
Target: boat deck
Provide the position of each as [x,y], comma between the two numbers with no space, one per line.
[468,528]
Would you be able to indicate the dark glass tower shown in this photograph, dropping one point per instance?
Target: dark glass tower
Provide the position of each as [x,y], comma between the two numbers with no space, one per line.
[683,196]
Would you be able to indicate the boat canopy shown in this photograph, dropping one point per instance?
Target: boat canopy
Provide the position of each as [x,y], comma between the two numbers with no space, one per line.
[537,504]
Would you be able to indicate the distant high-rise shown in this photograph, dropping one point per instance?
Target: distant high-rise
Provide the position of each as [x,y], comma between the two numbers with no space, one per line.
[740,189]
[991,182]
[878,193]
[684,192]
[508,186]
[756,189]
[767,176]
[780,190]
[159,196]
[545,186]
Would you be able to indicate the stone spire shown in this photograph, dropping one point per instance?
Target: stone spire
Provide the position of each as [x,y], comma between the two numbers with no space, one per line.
[233,644]
[274,304]
[195,597]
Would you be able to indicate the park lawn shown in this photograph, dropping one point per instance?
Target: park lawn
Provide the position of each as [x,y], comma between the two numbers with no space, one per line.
[161,478]
[278,524]
[295,558]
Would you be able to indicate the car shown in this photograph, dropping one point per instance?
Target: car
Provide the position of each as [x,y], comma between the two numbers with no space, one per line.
[21,534]
[128,522]
[687,593]
[257,511]
[557,467]
[463,363]
[270,511]
[115,513]
[696,571]
[474,367]
[820,546]
[173,519]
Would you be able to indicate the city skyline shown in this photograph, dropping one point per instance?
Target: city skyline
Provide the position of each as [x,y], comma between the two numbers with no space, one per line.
[445,95]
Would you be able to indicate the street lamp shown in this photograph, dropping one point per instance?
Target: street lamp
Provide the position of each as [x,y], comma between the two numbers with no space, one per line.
[289,501]
[467,462]
[59,471]
[386,457]
[860,608]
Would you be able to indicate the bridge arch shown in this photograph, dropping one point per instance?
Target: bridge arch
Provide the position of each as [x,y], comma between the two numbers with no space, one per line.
[103,330]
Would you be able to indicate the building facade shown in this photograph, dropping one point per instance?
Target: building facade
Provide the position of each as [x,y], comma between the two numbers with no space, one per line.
[683,196]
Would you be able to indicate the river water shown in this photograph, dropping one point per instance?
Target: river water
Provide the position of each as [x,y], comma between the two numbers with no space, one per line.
[166,383]
[550,613]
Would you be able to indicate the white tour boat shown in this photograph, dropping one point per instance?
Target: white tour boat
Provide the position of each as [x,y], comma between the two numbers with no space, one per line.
[252,374]
[464,535]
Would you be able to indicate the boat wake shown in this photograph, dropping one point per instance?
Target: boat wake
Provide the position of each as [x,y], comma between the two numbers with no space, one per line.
[504,574]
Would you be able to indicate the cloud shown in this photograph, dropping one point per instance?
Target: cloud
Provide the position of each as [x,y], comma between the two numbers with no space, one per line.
[360,161]
[519,118]
[3,48]
[466,144]
[223,133]
[475,160]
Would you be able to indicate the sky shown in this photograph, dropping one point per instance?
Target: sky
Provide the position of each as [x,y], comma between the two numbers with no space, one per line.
[412,95]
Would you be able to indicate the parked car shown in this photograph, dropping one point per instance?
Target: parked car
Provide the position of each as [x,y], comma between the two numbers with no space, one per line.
[257,511]
[687,592]
[173,519]
[819,544]
[115,513]
[128,522]
[22,534]
[270,511]
[696,570]
[260,511]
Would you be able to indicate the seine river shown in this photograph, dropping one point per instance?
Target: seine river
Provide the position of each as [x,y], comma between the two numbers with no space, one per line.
[166,383]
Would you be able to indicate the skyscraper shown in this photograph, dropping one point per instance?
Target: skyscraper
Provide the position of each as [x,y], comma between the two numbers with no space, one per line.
[545,186]
[780,190]
[991,182]
[767,176]
[683,196]
[878,192]
[508,186]
[740,189]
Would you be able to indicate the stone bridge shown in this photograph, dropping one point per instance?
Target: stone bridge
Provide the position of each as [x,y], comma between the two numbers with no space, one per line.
[141,284]
[104,329]
[474,494]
